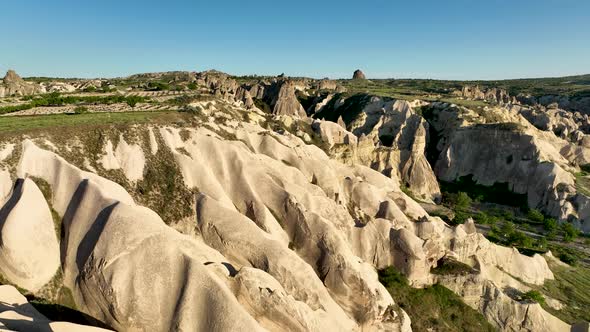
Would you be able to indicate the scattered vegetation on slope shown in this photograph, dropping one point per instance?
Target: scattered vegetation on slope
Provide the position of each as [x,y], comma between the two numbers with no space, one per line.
[432,308]
[162,188]
[572,288]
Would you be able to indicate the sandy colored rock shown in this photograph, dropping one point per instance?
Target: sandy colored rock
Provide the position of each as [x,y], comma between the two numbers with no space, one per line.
[17,314]
[29,251]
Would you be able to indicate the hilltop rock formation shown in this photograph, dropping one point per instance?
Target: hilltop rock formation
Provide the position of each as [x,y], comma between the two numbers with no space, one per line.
[283,99]
[358,75]
[14,85]
[391,139]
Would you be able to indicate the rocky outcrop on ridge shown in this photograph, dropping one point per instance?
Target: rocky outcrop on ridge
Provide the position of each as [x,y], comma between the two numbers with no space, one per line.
[573,104]
[391,139]
[14,85]
[358,75]
[495,95]
[283,100]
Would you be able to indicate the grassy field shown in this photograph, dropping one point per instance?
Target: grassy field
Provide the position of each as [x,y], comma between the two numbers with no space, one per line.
[18,124]
[434,308]
[571,287]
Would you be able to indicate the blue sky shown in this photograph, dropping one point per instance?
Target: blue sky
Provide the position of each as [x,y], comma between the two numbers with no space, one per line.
[462,39]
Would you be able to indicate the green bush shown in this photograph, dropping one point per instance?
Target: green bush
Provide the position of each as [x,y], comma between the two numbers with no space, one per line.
[507,228]
[570,233]
[542,243]
[534,296]
[133,100]
[518,238]
[158,86]
[460,217]
[568,258]
[481,218]
[80,110]
[585,168]
[535,215]
[463,201]
[451,267]
[550,225]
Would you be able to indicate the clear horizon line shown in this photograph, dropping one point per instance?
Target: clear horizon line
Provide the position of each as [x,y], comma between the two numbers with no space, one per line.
[393,77]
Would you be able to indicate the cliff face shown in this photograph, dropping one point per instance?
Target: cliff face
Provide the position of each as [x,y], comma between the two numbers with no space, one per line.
[391,138]
[512,145]
[223,224]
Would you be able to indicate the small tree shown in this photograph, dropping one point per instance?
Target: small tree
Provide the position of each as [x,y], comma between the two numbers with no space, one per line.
[133,100]
[463,201]
[535,215]
[570,233]
[550,224]
[507,228]
[542,243]
[481,218]
[80,110]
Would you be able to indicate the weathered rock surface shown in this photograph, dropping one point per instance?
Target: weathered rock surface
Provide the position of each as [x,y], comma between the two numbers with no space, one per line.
[333,133]
[29,251]
[17,314]
[284,101]
[14,85]
[391,139]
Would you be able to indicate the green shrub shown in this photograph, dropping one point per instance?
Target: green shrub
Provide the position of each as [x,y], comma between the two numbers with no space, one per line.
[550,225]
[570,233]
[463,201]
[568,258]
[535,215]
[507,228]
[133,100]
[158,86]
[534,296]
[481,218]
[80,110]
[451,267]
[542,243]
[460,217]
[585,168]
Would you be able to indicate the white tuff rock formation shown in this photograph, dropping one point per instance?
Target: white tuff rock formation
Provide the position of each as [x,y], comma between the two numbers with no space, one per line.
[278,236]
